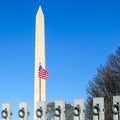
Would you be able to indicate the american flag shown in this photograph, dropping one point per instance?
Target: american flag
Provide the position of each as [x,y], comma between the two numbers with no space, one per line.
[42,73]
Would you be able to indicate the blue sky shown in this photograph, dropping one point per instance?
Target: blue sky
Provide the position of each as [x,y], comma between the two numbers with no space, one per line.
[80,35]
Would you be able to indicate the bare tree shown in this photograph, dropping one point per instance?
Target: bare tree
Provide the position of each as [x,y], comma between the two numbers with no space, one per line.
[105,84]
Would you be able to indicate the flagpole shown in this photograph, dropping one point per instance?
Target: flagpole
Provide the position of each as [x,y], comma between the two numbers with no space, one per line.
[40,85]
[40,88]
[42,74]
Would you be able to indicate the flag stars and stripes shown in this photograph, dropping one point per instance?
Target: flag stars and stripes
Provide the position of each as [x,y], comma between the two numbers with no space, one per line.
[42,73]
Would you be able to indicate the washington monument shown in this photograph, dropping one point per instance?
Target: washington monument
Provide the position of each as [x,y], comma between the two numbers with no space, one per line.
[39,84]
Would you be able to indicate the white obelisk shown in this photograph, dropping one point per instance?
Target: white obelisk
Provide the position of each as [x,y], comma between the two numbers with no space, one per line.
[39,84]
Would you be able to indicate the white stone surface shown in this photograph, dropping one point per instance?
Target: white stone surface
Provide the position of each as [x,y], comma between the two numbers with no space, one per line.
[116,99]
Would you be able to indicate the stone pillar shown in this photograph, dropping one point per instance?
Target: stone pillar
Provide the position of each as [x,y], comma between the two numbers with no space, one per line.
[79,110]
[59,110]
[23,112]
[41,110]
[116,108]
[6,111]
[98,108]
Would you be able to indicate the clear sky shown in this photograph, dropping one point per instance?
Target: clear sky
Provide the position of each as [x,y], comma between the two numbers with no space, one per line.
[80,34]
